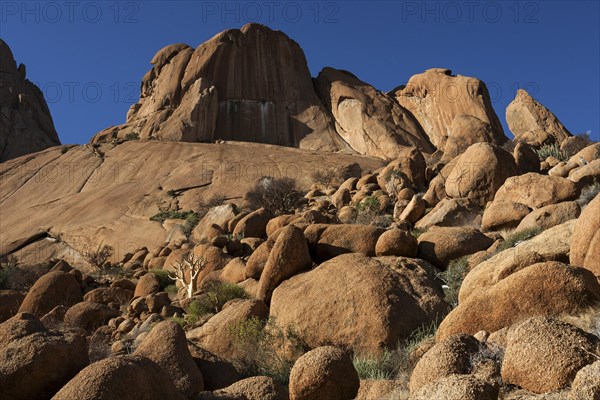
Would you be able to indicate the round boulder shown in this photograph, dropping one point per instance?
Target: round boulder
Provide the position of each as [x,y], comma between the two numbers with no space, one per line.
[440,245]
[325,373]
[396,242]
[52,289]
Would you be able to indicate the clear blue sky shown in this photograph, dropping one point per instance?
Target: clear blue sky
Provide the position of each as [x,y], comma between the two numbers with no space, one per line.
[89,56]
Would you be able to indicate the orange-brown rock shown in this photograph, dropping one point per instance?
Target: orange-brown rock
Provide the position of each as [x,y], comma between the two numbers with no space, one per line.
[452,212]
[527,160]
[166,345]
[527,118]
[465,131]
[324,373]
[51,290]
[503,215]
[26,125]
[547,288]
[254,388]
[250,84]
[10,300]
[351,301]
[288,257]
[457,387]
[440,245]
[368,120]
[549,216]
[436,97]
[479,172]
[128,377]
[396,242]
[129,183]
[543,354]
[536,191]
[328,241]
[585,244]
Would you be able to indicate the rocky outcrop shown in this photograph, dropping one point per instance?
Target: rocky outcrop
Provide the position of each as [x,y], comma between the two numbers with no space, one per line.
[26,125]
[436,98]
[353,301]
[370,121]
[250,84]
[533,123]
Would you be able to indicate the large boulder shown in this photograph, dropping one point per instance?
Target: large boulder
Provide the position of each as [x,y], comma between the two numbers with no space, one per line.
[396,242]
[548,288]
[52,289]
[114,294]
[34,362]
[128,377]
[452,212]
[457,387]
[325,373]
[288,257]
[26,125]
[366,304]
[585,244]
[440,245]
[89,316]
[479,172]
[328,241]
[436,98]
[219,91]
[503,215]
[549,216]
[536,191]
[409,169]
[253,224]
[526,117]
[550,245]
[465,131]
[449,356]
[166,345]
[527,160]
[217,373]
[543,354]
[370,121]
[215,335]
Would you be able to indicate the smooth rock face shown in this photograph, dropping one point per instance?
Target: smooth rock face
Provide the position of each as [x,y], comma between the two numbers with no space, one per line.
[130,184]
[440,245]
[526,117]
[585,244]
[436,97]
[457,387]
[467,130]
[363,303]
[543,354]
[26,125]
[250,84]
[368,120]
[324,373]
[536,190]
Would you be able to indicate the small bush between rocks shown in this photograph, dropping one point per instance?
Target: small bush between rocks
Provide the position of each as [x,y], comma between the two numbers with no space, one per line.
[416,232]
[216,295]
[325,178]
[163,278]
[453,277]
[265,348]
[588,194]
[517,237]
[277,195]
[550,150]
[132,136]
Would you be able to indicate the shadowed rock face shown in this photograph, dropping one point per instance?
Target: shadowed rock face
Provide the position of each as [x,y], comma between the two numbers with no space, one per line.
[251,84]
[26,125]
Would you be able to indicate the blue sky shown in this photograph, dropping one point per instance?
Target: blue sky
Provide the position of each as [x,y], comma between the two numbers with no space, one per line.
[89,56]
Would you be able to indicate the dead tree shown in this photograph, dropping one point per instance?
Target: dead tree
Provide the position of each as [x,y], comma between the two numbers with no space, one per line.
[187,270]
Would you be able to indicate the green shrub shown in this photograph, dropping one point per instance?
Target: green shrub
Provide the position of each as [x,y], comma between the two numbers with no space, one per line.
[132,136]
[369,204]
[171,289]
[416,232]
[453,277]
[100,257]
[180,320]
[265,348]
[164,215]
[387,366]
[163,278]
[216,295]
[550,150]
[326,177]
[277,195]
[518,237]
